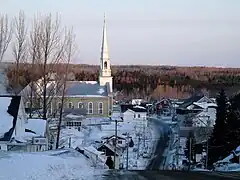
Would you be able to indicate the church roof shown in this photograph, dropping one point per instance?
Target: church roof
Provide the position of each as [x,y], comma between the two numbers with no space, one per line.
[85,88]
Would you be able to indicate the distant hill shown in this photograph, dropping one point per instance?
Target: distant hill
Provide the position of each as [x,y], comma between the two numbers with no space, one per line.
[159,81]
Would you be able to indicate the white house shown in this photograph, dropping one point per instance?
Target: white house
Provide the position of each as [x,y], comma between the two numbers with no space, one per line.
[17,133]
[207,116]
[121,141]
[134,113]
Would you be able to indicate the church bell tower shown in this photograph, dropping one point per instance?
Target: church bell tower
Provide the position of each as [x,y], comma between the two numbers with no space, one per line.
[105,75]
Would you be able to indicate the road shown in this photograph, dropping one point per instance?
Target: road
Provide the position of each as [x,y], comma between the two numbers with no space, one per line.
[153,171]
[167,175]
[158,158]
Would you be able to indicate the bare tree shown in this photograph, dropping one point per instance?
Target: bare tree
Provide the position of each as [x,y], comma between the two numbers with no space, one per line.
[70,49]
[35,56]
[5,35]
[51,51]
[19,47]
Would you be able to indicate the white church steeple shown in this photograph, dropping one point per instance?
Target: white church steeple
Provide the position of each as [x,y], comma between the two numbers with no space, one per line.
[105,69]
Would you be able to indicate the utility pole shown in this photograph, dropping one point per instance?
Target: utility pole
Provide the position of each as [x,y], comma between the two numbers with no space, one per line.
[138,145]
[144,135]
[69,143]
[115,144]
[127,150]
[208,123]
[190,151]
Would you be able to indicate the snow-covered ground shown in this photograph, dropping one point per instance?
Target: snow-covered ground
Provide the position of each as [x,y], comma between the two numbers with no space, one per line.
[226,164]
[51,165]
[143,137]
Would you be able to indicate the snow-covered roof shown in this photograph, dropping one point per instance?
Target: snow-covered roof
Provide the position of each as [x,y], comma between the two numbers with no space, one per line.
[9,107]
[205,105]
[37,125]
[6,118]
[74,89]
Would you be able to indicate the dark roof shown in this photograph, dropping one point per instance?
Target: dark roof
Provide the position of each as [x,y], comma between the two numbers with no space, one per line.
[74,88]
[125,107]
[138,109]
[85,88]
[12,109]
[191,100]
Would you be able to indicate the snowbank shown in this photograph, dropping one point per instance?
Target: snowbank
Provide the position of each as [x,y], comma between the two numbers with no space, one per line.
[38,166]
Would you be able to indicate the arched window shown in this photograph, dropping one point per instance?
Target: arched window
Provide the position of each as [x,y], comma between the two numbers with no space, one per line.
[59,105]
[105,65]
[28,104]
[70,105]
[90,108]
[80,105]
[100,108]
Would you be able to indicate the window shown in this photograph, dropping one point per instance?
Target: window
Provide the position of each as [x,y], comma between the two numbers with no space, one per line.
[134,115]
[50,108]
[59,105]
[90,108]
[100,108]
[139,116]
[80,105]
[74,124]
[28,104]
[119,142]
[70,105]
[105,65]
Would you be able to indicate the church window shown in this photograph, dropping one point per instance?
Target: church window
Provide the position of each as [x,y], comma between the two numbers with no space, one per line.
[105,65]
[28,104]
[80,105]
[90,108]
[50,108]
[59,105]
[70,105]
[100,108]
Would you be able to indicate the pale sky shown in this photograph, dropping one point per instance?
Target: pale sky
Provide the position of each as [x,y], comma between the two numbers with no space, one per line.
[156,32]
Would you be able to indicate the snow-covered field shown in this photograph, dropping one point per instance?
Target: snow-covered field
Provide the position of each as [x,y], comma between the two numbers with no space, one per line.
[51,165]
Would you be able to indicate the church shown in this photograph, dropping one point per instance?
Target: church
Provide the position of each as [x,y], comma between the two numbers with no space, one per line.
[95,97]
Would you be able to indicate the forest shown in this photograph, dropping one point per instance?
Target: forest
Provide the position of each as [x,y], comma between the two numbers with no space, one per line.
[148,81]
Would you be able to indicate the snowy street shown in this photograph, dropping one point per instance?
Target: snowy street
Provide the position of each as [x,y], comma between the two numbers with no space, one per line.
[159,159]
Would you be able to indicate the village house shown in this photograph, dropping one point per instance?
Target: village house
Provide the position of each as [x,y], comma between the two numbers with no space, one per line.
[134,113]
[110,151]
[121,141]
[17,133]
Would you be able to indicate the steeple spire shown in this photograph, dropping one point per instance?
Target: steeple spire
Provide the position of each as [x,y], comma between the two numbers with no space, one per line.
[105,69]
[104,50]
[105,61]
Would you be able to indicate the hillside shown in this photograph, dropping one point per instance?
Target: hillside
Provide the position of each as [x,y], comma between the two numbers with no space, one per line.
[153,81]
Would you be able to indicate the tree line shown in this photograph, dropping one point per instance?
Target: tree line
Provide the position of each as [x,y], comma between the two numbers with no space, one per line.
[144,80]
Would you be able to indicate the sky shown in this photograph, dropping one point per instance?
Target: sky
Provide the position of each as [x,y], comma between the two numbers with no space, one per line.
[150,32]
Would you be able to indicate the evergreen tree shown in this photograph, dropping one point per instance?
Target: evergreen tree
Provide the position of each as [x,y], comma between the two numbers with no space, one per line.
[190,143]
[217,141]
[233,124]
